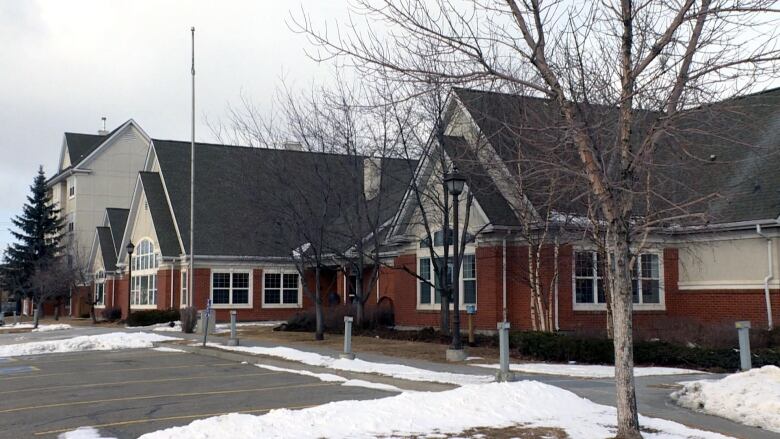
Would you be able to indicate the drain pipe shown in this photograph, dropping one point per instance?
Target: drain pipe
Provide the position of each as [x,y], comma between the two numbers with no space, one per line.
[503,273]
[557,282]
[769,275]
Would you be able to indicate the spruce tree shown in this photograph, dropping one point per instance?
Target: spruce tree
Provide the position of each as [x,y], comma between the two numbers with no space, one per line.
[38,238]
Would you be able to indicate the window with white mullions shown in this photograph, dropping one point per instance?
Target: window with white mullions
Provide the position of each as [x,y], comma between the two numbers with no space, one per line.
[589,281]
[230,288]
[183,289]
[281,289]
[100,288]
[588,278]
[646,280]
[430,290]
[143,286]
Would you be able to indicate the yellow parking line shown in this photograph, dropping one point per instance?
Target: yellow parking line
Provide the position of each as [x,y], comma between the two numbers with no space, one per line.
[172,418]
[171,395]
[69,360]
[122,370]
[161,380]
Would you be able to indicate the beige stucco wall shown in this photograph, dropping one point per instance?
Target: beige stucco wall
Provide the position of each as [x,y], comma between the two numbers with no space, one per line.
[727,264]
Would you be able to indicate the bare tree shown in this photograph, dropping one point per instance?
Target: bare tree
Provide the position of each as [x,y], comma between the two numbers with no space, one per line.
[626,80]
[52,279]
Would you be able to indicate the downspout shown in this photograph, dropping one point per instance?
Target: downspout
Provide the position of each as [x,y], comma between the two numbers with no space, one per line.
[769,275]
[113,290]
[503,274]
[555,287]
[171,285]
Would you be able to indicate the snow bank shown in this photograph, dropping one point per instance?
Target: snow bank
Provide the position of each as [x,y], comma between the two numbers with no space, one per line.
[329,377]
[498,405]
[17,326]
[83,433]
[751,398]
[46,328]
[394,370]
[587,370]
[102,342]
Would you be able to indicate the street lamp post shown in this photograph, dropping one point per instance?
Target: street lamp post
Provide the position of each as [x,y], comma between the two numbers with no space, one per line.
[454,183]
[130,248]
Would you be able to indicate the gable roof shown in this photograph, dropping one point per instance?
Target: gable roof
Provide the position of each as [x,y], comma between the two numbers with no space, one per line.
[729,150]
[161,214]
[107,249]
[117,221]
[81,145]
[242,194]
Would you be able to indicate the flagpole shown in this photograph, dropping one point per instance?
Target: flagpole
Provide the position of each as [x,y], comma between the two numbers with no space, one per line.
[191,274]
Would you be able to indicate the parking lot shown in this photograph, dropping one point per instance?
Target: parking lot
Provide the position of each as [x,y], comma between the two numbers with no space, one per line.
[127,393]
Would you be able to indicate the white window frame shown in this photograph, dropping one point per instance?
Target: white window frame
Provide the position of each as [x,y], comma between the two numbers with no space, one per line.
[100,281]
[424,253]
[282,272]
[230,305]
[660,306]
[183,289]
[145,265]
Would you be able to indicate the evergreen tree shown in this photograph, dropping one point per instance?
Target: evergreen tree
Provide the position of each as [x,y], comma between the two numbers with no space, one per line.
[38,238]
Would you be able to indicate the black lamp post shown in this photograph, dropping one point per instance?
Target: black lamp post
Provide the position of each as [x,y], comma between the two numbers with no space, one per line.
[454,182]
[130,248]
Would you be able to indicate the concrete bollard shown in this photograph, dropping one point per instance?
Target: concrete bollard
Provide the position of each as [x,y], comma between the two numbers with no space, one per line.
[347,339]
[233,340]
[504,374]
[743,332]
[35,314]
[16,318]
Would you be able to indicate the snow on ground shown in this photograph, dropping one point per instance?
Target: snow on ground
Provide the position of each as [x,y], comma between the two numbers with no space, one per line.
[498,405]
[41,327]
[83,433]
[329,377]
[587,370]
[394,370]
[102,342]
[751,398]
[225,327]
[167,349]
[56,327]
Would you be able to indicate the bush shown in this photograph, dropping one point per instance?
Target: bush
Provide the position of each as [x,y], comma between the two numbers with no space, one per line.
[112,313]
[189,318]
[152,316]
[333,319]
[563,348]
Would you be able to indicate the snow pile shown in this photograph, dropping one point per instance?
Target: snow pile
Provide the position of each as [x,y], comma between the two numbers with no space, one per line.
[752,397]
[102,342]
[394,370]
[588,370]
[83,433]
[329,377]
[498,405]
[225,327]
[17,326]
[167,349]
[46,328]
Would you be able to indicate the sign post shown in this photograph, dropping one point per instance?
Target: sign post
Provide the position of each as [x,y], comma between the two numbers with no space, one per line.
[206,318]
[470,311]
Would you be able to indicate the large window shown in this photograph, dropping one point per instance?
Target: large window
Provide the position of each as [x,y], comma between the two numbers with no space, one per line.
[589,281]
[143,287]
[281,289]
[430,290]
[100,288]
[230,288]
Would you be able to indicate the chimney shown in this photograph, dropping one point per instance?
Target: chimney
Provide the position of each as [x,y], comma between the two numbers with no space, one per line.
[292,146]
[103,130]
[372,176]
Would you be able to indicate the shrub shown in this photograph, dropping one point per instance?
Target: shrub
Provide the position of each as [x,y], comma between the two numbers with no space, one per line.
[333,319]
[111,313]
[189,318]
[561,348]
[152,316]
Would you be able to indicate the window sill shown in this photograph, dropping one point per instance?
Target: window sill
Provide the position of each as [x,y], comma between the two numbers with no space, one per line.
[132,307]
[231,306]
[636,308]
[282,305]
[437,308]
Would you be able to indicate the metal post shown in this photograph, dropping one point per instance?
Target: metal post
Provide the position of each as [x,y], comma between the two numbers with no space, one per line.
[16,318]
[233,340]
[348,339]
[206,317]
[743,332]
[504,374]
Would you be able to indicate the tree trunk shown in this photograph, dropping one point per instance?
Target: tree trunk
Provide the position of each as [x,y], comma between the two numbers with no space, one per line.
[57,310]
[359,300]
[622,304]
[320,332]
[39,311]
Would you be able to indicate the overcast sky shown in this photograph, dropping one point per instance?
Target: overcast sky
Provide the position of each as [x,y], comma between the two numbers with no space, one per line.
[67,63]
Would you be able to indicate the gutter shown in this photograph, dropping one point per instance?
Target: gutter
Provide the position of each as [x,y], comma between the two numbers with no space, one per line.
[769,275]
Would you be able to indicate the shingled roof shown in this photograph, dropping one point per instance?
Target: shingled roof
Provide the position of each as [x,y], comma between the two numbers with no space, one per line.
[161,214]
[107,249]
[242,195]
[726,152]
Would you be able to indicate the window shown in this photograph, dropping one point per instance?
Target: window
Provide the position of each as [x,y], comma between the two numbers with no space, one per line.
[230,288]
[70,227]
[71,188]
[430,296]
[183,289]
[281,289]
[589,287]
[100,291]
[143,287]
